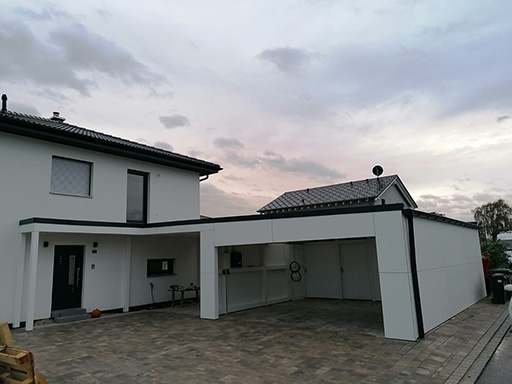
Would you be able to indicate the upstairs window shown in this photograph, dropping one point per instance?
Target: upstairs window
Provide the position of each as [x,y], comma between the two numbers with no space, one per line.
[137,197]
[71,177]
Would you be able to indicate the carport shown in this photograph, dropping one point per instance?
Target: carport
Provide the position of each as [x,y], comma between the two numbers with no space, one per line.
[365,253]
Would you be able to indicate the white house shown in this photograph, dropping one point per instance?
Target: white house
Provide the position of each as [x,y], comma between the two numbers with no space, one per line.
[94,221]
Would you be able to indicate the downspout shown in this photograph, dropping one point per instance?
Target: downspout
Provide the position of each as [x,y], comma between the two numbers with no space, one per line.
[414,274]
[204,178]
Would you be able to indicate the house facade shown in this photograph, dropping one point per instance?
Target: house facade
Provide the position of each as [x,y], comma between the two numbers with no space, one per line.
[56,170]
[95,221]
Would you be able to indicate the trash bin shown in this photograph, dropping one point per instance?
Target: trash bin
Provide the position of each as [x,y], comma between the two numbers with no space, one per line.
[498,281]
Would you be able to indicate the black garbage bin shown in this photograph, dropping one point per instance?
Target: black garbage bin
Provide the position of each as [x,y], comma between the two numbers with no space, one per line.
[498,282]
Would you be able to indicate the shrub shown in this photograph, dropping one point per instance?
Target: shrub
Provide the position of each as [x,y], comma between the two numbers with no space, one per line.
[497,250]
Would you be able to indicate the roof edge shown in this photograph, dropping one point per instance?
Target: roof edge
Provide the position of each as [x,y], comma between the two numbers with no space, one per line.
[32,130]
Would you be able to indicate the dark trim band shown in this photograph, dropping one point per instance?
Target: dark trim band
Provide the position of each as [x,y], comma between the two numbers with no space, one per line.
[409,214]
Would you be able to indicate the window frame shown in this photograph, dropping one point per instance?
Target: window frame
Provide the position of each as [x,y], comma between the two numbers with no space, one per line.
[161,272]
[145,194]
[91,172]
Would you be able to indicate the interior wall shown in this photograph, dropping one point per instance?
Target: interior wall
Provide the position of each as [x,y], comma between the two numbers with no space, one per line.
[360,272]
[322,265]
[449,269]
[298,289]
[262,278]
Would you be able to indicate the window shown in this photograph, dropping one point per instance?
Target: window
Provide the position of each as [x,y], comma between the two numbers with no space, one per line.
[137,197]
[71,177]
[159,267]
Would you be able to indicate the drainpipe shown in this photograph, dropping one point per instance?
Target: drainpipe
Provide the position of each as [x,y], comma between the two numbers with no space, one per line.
[204,178]
[414,274]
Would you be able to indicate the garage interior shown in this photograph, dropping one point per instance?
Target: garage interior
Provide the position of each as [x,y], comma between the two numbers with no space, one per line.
[345,270]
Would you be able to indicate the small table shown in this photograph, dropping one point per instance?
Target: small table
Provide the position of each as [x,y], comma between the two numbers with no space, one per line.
[182,289]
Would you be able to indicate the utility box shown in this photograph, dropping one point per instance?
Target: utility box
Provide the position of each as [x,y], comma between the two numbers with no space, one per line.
[498,282]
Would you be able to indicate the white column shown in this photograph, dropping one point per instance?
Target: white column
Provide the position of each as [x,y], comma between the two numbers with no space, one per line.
[20,270]
[125,289]
[209,276]
[32,280]
[398,310]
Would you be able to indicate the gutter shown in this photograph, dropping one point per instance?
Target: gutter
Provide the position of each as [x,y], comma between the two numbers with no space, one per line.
[408,213]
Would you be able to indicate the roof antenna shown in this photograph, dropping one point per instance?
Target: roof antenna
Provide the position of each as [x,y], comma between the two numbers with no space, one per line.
[4,103]
[377,171]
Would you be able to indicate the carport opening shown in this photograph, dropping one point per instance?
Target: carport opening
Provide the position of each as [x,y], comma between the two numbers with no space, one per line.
[340,276]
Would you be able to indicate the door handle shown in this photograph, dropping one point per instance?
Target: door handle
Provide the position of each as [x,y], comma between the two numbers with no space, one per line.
[78,277]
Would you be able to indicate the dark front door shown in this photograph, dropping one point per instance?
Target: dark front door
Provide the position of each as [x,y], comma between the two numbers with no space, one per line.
[67,277]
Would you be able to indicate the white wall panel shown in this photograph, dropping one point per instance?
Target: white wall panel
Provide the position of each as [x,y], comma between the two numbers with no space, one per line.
[323,270]
[244,232]
[398,306]
[391,242]
[449,269]
[323,227]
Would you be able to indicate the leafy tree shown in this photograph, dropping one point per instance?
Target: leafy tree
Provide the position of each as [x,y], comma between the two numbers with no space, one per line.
[497,250]
[494,218]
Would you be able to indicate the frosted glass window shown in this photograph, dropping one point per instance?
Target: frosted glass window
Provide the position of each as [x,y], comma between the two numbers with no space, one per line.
[71,177]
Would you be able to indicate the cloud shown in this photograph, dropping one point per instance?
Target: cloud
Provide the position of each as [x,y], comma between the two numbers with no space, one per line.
[66,59]
[237,160]
[163,145]
[502,118]
[216,202]
[223,142]
[457,205]
[23,108]
[286,59]
[87,51]
[174,121]
[299,166]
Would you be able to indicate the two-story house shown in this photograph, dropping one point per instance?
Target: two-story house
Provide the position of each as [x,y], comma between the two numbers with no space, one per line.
[94,221]
[52,169]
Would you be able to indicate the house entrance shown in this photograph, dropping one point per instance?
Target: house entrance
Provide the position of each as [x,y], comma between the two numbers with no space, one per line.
[67,277]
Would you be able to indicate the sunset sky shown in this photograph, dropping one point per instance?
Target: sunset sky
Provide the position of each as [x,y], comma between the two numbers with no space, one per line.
[284,95]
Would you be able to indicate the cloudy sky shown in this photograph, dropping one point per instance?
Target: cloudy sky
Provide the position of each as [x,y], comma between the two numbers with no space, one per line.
[284,95]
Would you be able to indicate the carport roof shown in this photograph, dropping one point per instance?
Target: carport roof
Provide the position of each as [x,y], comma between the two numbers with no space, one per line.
[354,191]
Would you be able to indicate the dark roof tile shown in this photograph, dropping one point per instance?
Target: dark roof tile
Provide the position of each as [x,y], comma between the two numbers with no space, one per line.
[337,193]
[51,130]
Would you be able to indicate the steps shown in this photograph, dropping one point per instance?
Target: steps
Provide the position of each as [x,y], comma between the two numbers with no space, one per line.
[70,315]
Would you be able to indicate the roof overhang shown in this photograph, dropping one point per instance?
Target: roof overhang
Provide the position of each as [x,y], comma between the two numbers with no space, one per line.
[35,131]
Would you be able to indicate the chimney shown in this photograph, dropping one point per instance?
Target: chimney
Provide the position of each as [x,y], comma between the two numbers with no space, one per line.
[56,117]
[4,103]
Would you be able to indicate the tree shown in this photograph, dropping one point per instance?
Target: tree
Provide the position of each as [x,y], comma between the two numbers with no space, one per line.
[493,218]
[497,250]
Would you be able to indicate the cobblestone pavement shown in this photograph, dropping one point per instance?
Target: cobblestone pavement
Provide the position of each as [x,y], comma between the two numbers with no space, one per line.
[307,341]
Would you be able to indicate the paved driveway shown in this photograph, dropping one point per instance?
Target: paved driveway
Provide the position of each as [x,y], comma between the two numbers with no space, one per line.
[308,341]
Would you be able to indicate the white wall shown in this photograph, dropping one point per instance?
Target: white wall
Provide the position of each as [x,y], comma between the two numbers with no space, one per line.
[262,279]
[185,251]
[398,309]
[101,285]
[449,269]
[25,166]
[322,270]
[393,195]
[298,290]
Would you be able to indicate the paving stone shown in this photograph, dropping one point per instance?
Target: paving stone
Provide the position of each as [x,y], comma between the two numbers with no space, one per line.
[308,341]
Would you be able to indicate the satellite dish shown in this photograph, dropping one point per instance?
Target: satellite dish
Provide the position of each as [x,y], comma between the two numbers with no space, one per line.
[377,170]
